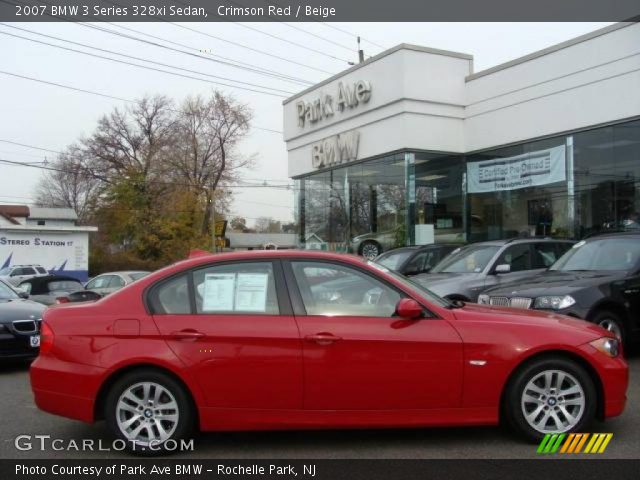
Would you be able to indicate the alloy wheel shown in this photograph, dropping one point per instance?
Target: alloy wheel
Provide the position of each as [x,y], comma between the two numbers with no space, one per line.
[370,251]
[553,401]
[147,413]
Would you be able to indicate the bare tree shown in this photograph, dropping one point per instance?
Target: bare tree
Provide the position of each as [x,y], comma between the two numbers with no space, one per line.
[69,184]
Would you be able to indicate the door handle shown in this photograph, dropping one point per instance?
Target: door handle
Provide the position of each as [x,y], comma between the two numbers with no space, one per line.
[323,338]
[187,335]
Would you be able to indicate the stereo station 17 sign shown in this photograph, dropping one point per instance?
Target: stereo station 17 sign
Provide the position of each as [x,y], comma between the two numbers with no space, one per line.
[511,173]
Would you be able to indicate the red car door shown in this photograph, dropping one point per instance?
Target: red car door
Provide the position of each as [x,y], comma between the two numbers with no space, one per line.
[358,355]
[235,333]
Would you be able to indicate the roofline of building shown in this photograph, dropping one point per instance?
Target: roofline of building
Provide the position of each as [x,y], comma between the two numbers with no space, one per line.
[551,49]
[43,228]
[375,58]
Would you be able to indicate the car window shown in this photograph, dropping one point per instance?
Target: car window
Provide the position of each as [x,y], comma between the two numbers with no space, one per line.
[172,297]
[472,259]
[330,289]
[99,282]
[18,271]
[138,275]
[41,270]
[116,281]
[544,254]
[517,257]
[422,261]
[64,286]
[28,271]
[603,254]
[247,287]
[25,287]
[394,259]
[7,293]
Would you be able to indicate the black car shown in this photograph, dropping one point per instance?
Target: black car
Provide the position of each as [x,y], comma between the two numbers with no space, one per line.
[47,290]
[415,260]
[19,324]
[597,280]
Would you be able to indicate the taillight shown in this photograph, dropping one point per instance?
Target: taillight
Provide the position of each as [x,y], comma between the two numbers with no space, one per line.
[60,300]
[46,338]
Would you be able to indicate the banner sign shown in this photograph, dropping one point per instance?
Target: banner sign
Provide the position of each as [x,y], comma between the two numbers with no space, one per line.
[62,253]
[512,173]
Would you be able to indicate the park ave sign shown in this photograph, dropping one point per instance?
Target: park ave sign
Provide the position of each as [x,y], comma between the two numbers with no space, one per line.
[348,96]
[335,150]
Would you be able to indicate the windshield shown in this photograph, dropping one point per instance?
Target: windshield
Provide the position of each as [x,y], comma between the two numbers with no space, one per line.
[472,259]
[7,293]
[600,255]
[425,292]
[5,271]
[393,259]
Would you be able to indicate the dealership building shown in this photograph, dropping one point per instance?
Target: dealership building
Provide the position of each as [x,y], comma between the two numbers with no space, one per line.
[412,146]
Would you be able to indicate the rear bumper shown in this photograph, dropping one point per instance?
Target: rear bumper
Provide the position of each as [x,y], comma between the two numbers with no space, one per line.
[66,389]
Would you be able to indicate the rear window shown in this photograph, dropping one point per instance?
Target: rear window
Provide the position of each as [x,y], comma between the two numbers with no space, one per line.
[393,260]
[41,270]
[65,286]
[138,275]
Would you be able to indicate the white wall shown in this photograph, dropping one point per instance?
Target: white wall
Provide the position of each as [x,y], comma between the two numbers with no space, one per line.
[426,99]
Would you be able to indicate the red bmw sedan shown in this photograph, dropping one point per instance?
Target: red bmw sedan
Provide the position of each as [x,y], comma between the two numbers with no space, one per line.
[304,340]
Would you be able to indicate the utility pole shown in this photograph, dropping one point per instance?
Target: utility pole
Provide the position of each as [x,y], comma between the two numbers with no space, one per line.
[360,51]
[213,220]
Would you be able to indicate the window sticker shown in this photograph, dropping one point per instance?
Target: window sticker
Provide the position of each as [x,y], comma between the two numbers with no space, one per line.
[231,292]
[251,292]
[218,292]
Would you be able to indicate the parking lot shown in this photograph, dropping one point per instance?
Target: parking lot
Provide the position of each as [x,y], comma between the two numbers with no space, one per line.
[21,417]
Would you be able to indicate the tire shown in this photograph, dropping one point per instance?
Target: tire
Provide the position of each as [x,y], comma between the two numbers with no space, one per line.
[612,322]
[370,249]
[520,397]
[124,415]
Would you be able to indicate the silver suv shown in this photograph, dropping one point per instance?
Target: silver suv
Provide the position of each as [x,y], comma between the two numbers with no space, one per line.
[466,272]
[17,273]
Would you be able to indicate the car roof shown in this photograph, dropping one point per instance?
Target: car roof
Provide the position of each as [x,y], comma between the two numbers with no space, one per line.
[123,272]
[48,278]
[632,234]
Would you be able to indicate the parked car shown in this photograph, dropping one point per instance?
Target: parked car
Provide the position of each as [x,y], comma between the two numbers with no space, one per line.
[17,273]
[467,272]
[250,340]
[597,280]
[19,324]
[79,296]
[370,245]
[417,259]
[110,282]
[47,289]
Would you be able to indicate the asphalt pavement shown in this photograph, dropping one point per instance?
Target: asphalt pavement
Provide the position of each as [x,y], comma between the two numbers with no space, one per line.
[19,416]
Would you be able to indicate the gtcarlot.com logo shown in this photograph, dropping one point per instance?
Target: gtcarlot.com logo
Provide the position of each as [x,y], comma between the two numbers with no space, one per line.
[574,443]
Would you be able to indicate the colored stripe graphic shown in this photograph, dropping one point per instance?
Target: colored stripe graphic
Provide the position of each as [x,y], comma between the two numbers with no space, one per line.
[597,443]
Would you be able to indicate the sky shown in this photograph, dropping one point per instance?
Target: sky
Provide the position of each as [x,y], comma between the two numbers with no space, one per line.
[52,117]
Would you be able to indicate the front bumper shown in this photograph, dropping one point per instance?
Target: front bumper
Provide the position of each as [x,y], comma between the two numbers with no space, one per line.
[614,377]
[16,347]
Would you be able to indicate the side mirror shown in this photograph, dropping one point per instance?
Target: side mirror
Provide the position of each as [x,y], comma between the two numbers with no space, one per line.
[24,295]
[504,268]
[409,309]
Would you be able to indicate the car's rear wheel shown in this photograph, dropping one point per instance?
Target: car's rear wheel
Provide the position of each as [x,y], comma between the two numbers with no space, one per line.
[611,322]
[150,411]
[370,249]
[550,395]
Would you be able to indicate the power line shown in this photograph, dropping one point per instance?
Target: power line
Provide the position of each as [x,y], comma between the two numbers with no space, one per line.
[90,92]
[225,60]
[141,59]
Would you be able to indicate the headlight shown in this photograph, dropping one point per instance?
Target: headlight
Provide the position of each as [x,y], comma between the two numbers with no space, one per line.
[554,302]
[483,299]
[607,345]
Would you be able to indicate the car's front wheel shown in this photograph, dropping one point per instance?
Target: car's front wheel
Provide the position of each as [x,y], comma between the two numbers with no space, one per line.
[550,395]
[150,411]
[611,322]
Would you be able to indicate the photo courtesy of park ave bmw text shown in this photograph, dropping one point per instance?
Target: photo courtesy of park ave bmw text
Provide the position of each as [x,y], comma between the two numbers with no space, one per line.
[299,239]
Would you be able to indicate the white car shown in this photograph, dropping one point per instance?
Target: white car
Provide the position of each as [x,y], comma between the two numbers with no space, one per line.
[18,273]
[107,283]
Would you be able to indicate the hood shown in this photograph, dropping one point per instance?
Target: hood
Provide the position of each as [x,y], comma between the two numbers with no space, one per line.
[11,310]
[555,283]
[576,332]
